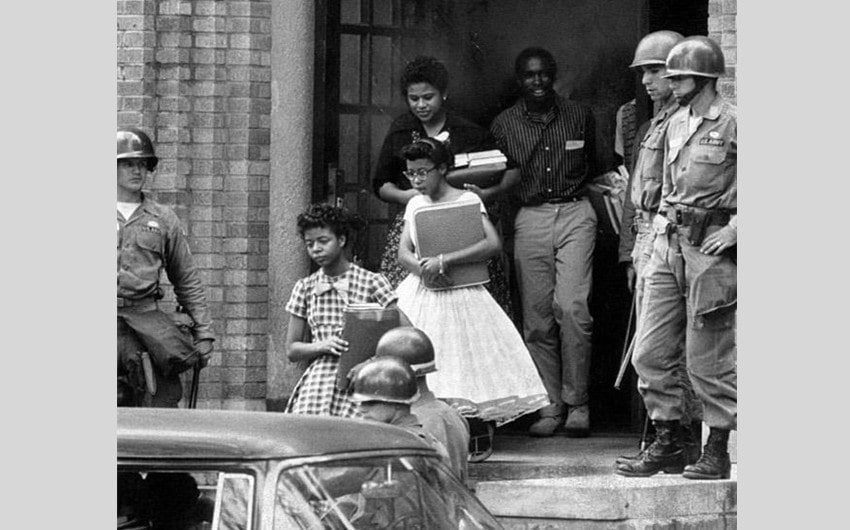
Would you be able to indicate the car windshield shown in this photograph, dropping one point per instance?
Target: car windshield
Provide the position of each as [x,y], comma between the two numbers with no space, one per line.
[399,492]
[184,500]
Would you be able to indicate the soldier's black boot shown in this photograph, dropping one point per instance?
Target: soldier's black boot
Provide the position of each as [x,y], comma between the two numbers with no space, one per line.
[646,440]
[714,463]
[691,440]
[665,454]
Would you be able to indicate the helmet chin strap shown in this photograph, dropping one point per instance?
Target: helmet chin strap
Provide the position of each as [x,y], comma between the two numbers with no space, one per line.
[699,84]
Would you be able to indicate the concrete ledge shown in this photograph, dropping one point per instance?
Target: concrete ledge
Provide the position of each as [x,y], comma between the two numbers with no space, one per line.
[728,522]
[610,497]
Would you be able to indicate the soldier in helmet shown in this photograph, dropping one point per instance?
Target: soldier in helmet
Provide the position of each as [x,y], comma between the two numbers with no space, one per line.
[642,201]
[150,239]
[438,418]
[690,287]
[384,388]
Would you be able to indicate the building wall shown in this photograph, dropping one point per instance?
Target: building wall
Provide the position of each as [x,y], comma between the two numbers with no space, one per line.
[196,75]
[205,80]
[723,28]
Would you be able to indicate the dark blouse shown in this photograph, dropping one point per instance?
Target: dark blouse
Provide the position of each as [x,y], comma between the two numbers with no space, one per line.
[464,136]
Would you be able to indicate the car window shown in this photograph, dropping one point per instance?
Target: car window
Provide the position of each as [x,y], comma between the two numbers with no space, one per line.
[184,500]
[378,493]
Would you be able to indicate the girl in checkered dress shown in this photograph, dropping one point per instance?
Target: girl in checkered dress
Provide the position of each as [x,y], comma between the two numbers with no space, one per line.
[316,309]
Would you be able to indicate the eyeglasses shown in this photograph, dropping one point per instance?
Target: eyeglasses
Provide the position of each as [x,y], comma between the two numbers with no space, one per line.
[418,173]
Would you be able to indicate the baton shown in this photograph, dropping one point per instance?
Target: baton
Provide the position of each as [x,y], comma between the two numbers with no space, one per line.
[147,368]
[628,344]
[193,391]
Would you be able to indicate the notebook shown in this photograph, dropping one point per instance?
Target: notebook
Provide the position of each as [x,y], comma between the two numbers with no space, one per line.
[443,228]
[363,325]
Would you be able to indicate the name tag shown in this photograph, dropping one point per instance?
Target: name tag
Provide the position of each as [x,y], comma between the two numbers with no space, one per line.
[717,142]
[574,144]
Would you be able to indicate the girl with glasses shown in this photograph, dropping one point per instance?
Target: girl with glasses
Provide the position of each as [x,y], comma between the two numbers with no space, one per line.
[424,85]
[485,368]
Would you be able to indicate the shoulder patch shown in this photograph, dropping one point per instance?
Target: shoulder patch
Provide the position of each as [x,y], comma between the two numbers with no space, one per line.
[716,142]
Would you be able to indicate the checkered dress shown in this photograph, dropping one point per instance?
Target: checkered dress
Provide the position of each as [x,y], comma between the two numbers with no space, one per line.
[316,391]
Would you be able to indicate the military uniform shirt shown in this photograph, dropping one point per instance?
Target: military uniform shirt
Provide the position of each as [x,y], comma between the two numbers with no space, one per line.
[702,159]
[148,242]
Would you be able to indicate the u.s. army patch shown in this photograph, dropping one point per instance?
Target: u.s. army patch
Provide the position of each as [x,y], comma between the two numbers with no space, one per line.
[717,142]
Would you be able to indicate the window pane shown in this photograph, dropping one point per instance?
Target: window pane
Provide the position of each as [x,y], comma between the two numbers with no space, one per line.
[384,493]
[382,79]
[185,499]
[349,138]
[382,12]
[349,69]
[350,12]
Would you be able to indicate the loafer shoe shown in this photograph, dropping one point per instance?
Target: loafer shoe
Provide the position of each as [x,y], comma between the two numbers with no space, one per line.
[578,422]
[546,425]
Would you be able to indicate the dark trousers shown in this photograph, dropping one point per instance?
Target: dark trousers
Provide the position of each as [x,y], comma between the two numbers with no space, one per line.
[169,347]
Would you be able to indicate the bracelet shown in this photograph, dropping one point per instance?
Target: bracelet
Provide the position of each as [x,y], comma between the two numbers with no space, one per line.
[442,269]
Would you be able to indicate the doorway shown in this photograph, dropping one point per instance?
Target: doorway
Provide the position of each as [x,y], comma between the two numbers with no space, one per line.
[361,49]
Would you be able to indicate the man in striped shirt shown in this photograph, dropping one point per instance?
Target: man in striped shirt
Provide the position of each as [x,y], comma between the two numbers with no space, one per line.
[552,141]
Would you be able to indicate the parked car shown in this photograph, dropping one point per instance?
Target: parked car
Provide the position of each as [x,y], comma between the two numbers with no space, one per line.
[238,470]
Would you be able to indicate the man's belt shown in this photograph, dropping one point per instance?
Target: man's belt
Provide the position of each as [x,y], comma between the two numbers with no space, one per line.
[554,200]
[691,217]
[693,223]
[136,302]
[642,222]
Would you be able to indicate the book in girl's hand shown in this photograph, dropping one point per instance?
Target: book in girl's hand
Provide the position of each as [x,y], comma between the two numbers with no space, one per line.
[363,326]
[444,228]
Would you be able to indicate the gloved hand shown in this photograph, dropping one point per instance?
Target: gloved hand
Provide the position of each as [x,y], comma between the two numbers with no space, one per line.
[204,347]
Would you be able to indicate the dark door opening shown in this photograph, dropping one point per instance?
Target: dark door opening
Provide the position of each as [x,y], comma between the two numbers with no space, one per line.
[361,48]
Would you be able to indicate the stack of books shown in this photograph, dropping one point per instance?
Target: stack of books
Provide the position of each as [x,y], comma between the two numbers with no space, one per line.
[482,168]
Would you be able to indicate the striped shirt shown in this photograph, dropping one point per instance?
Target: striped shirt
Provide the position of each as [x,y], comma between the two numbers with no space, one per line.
[554,151]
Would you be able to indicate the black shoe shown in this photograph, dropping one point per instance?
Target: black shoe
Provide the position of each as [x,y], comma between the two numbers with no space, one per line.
[624,459]
[714,464]
[665,454]
[691,440]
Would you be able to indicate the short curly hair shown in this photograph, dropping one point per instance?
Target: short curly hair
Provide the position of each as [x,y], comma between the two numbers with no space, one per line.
[429,148]
[541,53]
[338,220]
[425,69]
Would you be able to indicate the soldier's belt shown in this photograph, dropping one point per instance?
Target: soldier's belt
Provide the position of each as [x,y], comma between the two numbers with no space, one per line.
[150,301]
[693,217]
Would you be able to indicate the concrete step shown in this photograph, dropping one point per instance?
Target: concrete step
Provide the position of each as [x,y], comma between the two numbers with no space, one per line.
[563,483]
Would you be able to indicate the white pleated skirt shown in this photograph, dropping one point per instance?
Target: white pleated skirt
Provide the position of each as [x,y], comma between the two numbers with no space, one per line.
[483,366]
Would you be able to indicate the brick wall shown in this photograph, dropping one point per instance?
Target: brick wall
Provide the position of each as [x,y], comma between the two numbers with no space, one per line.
[723,28]
[196,76]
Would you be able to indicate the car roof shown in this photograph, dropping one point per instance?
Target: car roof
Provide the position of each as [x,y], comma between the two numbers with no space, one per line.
[250,435]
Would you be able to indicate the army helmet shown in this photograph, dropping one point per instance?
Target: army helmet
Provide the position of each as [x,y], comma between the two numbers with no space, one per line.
[698,56]
[134,143]
[411,345]
[387,379]
[654,48]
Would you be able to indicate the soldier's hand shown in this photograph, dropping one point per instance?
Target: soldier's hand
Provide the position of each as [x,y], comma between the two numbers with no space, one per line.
[717,242]
[204,348]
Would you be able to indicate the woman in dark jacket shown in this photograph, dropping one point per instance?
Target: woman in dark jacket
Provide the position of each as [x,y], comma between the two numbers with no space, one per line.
[424,83]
